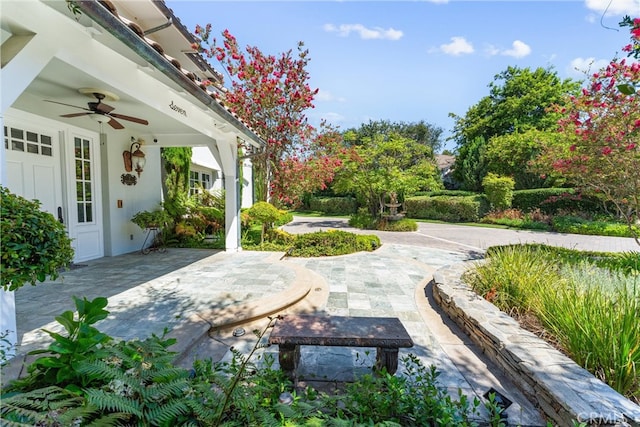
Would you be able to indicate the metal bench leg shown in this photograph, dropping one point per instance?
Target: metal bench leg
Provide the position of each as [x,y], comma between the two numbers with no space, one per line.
[387,358]
[289,357]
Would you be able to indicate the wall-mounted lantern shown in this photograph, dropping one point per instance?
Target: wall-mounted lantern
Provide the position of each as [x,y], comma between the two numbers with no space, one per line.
[134,160]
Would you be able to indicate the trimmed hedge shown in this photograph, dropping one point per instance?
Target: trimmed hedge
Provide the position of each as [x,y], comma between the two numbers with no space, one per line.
[552,200]
[333,205]
[330,243]
[452,193]
[445,208]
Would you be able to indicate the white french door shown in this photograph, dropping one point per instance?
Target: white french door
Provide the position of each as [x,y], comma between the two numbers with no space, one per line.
[33,162]
[84,197]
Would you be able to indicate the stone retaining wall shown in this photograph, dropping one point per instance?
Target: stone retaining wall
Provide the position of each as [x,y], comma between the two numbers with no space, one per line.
[564,391]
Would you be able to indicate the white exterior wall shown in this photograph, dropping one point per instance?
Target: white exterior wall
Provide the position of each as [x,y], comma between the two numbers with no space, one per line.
[124,236]
[247,184]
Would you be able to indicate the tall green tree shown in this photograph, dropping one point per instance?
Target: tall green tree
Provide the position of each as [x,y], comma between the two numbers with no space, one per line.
[386,164]
[470,166]
[421,132]
[512,155]
[519,100]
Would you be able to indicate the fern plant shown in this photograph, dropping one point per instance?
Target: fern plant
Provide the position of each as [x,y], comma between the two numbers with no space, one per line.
[52,406]
[141,381]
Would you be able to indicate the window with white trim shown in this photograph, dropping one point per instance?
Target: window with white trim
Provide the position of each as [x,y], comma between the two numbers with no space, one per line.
[84,180]
[27,142]
[199,181]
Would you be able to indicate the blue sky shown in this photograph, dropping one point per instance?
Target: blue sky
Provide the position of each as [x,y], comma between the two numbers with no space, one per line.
[418,60]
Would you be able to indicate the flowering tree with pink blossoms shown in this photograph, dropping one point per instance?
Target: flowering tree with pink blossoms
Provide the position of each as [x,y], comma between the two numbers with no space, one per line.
[272,94]
[601,150]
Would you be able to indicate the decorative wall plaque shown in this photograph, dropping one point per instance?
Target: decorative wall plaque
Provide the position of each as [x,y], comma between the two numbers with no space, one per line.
[128,179]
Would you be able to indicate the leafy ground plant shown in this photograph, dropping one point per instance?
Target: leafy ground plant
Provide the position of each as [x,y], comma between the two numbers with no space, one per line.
[135,383]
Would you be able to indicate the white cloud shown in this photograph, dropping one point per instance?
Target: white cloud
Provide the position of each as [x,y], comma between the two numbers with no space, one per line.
[581,67]
[375,33]
[491,50]
[518,49]
[614,7]
[458,46]
[333,117]
[325,96]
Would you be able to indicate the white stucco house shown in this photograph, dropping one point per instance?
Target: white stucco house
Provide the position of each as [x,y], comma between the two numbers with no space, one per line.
[80,91]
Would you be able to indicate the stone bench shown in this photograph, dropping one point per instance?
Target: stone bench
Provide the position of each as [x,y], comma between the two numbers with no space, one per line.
[387,334]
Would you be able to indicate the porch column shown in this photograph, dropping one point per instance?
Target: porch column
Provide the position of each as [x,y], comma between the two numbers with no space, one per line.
[8,323]
[227,147]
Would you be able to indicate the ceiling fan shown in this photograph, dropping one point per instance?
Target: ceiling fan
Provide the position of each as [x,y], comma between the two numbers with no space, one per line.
[100,111]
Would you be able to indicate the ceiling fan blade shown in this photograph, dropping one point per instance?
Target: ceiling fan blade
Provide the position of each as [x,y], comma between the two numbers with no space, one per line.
[68,105]
[99,106]
[75,114]
[115,124]
[129,118]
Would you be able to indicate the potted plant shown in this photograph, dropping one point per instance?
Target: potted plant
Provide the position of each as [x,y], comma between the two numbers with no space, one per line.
[151,219]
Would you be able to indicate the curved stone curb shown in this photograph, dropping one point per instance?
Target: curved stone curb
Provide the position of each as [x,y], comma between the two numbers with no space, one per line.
[564,391]
[194,329]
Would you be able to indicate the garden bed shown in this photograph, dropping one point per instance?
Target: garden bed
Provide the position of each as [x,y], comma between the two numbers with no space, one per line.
[563,391]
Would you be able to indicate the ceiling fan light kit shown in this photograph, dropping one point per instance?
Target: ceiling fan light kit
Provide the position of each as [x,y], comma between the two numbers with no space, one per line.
[100,118]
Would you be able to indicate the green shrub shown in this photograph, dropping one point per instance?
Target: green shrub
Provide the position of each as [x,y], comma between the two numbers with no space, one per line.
[266,214]
[329,243]
[499,190]
[553,200]
[34,244]
[404,224]
[280,237]
[333,205]
[445,208]
[516,219]
[450,193]
[577,225]
[411,400]
[284,217]
[363,220]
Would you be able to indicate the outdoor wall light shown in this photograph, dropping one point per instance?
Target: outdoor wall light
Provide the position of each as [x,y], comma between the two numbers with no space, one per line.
[134,160]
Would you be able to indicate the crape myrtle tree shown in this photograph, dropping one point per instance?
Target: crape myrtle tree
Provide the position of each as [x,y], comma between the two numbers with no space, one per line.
[271,94]
[518,101]
[601,125]
[382,164]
